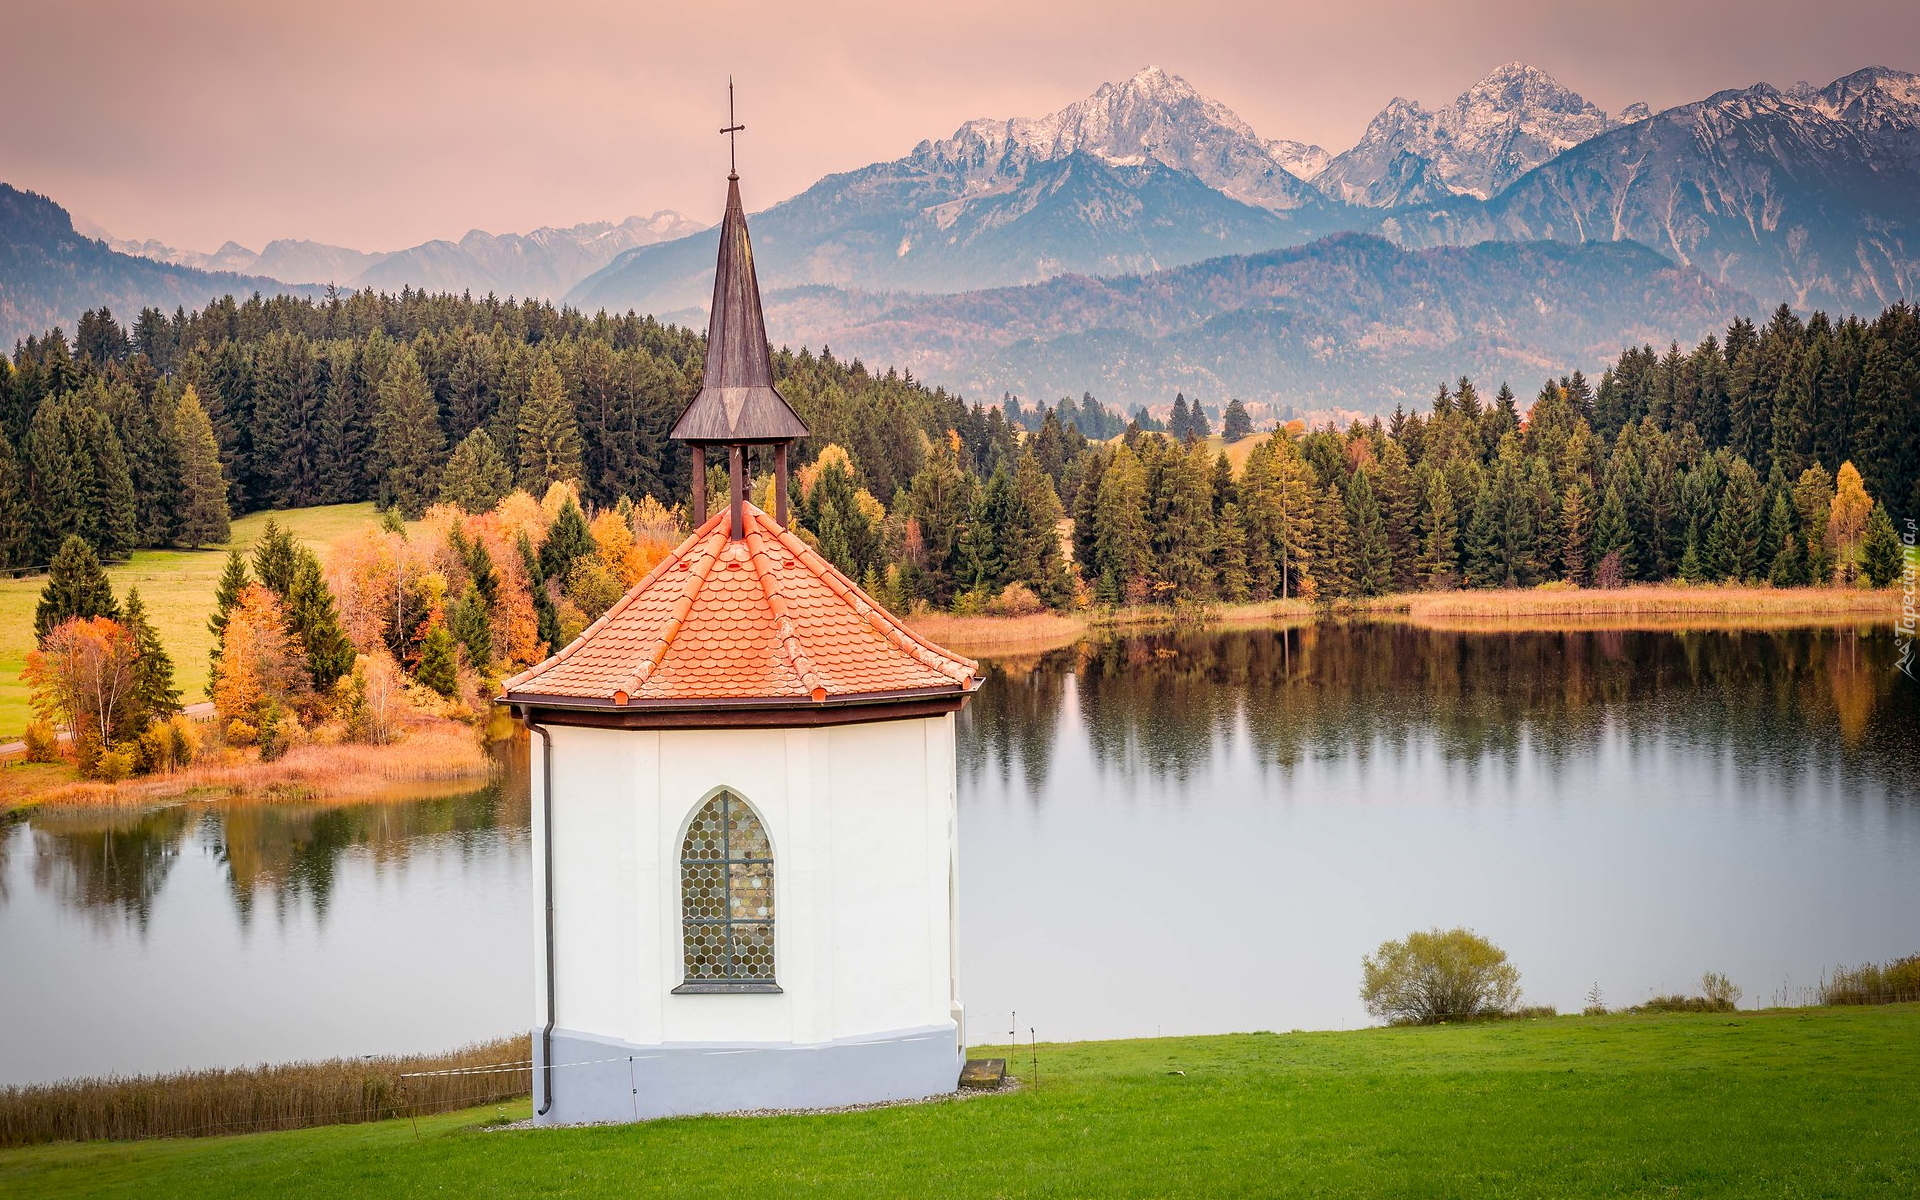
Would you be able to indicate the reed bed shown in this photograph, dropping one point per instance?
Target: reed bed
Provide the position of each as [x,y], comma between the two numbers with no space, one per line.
[1896,982]
[437,755]
[1657,602]
[1033,633]
[337,1091]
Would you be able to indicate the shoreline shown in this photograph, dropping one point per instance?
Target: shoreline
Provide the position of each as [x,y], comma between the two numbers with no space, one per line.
[438,757]
[1665,608]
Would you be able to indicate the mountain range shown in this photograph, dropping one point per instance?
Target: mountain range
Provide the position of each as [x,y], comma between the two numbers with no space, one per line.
[544,263]
[1351,322]
[1749,197]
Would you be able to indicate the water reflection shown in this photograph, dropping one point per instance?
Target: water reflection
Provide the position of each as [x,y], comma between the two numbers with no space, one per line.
[1164,706]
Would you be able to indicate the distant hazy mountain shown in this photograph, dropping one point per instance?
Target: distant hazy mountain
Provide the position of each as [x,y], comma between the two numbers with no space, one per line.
[50,274]
[1496,131]
[1351,321]
[544,263]
[1137,176]
[1811,196]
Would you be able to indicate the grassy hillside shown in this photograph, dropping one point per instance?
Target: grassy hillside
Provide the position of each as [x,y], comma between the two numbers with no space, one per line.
[178,586]
[1780,1103]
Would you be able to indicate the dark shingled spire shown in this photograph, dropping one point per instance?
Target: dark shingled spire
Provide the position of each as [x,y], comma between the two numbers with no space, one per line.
[737,402]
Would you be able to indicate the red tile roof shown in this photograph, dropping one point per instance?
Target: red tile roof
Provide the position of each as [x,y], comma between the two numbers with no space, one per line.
[764,618]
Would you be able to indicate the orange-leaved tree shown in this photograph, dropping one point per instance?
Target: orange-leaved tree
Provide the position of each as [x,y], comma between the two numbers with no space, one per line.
[82,677]
[260,667]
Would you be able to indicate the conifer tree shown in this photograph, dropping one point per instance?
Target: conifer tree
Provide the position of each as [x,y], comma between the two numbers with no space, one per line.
[1611,534]
[1576,529]
[233,581]
[1486,564]
[938,500]
[1230,556]
[1332,565]
[1235,423]
[204,519]
[1439,557]
[75,587]
[1779,535]
[1123,547]
[1180,422]
[1395,489]
[477,476]
[546,617]
[407,442]
[1691,569]
[438,668]
[14,528]
[1034,548]
[314,621]
[568,540]
[154,694]
[1186,566]
[1372,572]
[470,621]
[1813,499]
[275,559]
[1882,556]
[1734,542]
[549,437]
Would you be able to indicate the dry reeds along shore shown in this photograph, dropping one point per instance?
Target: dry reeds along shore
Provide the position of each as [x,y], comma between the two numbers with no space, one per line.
[252,1099]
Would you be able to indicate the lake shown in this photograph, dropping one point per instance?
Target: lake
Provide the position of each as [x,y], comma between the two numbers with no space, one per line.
[1184,832]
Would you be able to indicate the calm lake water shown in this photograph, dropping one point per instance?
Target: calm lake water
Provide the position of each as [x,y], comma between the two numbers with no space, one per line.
[1174,833]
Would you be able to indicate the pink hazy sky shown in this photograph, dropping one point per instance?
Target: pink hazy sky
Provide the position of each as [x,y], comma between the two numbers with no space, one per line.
[381,125]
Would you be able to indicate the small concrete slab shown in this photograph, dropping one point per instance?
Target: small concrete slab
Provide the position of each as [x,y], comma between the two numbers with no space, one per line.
[983,1074]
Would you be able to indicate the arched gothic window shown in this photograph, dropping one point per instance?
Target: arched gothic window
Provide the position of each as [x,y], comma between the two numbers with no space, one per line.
[726,898]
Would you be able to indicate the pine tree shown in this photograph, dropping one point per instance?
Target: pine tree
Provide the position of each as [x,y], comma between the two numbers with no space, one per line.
[1396,493]
[1123,553]
[1691,569]
[204,519]
[1486,564]
[1882,557]
[477,476]
[314,621]
[154,695]
[1734,542]
[1372,571]
[1186,566]
[549,438]
[1230,556]
[407,442]
[76,587]
[233,581]
[438,668]
[1236,424]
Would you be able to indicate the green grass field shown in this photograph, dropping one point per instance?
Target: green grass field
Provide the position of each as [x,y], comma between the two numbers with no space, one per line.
[178,586]
[1806,1102]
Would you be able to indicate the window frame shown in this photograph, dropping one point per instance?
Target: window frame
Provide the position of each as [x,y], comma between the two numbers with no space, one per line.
[729,798]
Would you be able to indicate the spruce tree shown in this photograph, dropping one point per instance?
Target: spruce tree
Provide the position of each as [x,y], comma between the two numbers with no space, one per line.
[407,441]
[1691,569]
[1486,562]
[1611,533]
[314,621]
[477,476]
[275,559]
[549,437]
[14,528]
[1372,557]
[1123,546]
[1439,539]
[1236,423]
[438,668]
[204,519]
[1332,565]
[471,623]
[75,587]
[1230,556]
[154,695]
[546,617]
[233,581]
[1186,566]
[1576,531]
[1882,556]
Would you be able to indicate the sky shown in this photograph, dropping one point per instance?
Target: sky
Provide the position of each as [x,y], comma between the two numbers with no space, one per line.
[382,125]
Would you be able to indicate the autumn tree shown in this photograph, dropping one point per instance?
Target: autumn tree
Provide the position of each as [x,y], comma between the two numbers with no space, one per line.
[261,668]
[1847,521]
[84,677]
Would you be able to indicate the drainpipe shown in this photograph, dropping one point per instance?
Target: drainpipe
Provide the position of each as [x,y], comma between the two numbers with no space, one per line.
[546,879]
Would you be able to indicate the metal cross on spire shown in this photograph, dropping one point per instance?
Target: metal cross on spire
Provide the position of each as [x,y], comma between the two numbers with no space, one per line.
[733,127]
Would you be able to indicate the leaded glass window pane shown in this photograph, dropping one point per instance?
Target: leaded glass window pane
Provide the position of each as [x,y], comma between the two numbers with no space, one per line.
[726,894]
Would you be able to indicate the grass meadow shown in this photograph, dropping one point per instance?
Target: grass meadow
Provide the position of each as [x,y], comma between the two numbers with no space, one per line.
[178,587]
[1777,1103]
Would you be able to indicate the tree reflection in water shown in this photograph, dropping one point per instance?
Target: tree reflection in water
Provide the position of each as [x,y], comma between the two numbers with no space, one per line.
[111,863]
[1785,704]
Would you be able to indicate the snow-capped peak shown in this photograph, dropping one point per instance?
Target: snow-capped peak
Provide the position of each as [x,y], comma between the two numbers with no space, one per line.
[1509,122]
[1154,116]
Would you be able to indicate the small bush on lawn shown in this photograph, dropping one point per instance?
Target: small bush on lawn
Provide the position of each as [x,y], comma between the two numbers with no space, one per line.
[43,743]
[1440,975]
